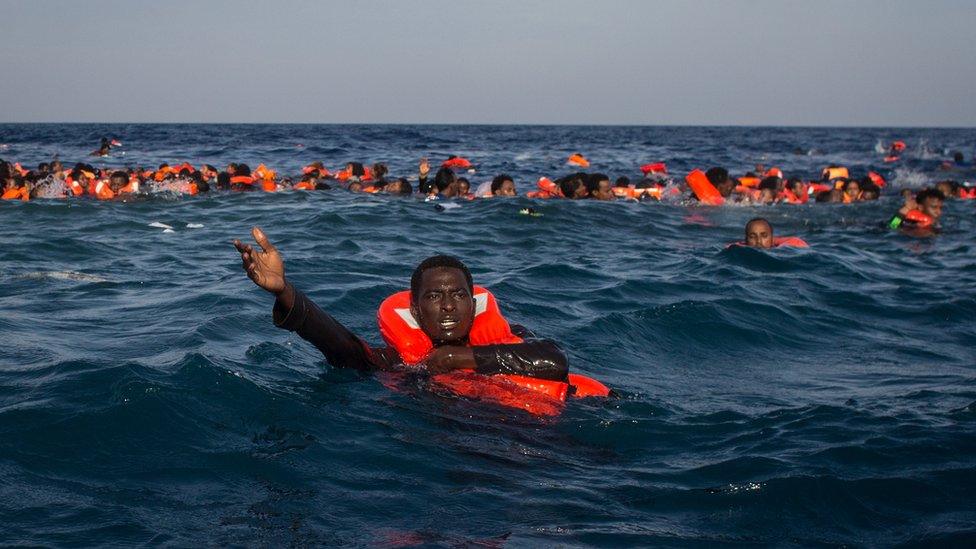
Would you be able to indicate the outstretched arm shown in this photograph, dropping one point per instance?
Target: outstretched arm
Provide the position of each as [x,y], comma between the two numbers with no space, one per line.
[295,312]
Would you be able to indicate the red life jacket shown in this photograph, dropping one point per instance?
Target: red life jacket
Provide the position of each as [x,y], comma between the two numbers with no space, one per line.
[401,331]
[456,163]
[919,219]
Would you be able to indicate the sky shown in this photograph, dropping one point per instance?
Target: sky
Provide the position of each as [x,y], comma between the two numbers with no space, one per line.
[708,62]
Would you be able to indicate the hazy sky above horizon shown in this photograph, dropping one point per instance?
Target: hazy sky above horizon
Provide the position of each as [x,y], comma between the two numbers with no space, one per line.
[758,62]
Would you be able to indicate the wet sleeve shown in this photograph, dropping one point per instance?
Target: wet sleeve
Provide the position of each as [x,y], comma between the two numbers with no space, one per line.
[341,347]
[539,358]
[423,185]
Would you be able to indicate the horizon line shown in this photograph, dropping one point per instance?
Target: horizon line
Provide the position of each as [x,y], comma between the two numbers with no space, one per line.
[530,124]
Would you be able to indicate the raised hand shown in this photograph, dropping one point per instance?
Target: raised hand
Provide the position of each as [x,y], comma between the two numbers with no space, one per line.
[265,268]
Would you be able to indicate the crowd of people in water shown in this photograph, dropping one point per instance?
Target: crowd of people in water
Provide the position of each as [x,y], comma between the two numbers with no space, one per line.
[715,186]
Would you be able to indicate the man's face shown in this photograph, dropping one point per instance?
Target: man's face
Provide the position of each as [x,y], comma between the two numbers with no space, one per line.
[932,207]
[725,188]
[506,189]
[759,235]
[444,306]
[603,190]
[116,183]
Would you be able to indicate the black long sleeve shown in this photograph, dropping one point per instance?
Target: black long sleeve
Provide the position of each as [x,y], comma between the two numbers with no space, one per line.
[539,358]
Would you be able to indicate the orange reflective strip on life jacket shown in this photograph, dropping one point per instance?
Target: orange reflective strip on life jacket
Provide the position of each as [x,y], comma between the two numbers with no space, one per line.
[703,188]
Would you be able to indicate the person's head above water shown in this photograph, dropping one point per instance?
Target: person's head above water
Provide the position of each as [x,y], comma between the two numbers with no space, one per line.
[759,233]
[503,185]
[930,202]
[442,299]
[719,177]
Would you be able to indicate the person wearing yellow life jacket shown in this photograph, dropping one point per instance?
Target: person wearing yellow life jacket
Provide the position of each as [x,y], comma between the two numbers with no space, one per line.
[443,324]
[852,191]
[920,213]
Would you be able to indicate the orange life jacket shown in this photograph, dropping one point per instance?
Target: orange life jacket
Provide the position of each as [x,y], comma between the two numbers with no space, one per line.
[749,181]
[657,167]
[578,160]
[131,187]
[346,174]
[898,145]
[703,188]
[919,219]
[547,189]
[401,331]
[967,193]
[17,193]
[457,163]
[876,179]
[242,180]
[304,186]
[835,173]
[103,191]
[891,158]
[787,196]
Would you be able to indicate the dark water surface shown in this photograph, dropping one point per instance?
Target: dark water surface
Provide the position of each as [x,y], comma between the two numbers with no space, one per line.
[823,396]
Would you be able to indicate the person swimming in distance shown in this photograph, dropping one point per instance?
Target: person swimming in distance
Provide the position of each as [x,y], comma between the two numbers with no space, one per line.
[441,305]
[920,214]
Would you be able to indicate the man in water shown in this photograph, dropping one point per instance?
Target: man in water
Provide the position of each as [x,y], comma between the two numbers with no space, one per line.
[759,233]
[920,213]
[441,304]
[503,185]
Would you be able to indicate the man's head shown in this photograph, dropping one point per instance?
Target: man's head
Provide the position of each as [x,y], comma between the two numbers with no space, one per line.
[118,180]
[463,186]
[442,299]
[759,233]
[930,202]
[503,185]
[719,177]
[599,187]
[399,186]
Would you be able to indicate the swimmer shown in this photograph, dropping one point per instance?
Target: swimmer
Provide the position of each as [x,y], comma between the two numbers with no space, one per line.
[852,191]
[464,188]
[719,177]
[398,186]
[599,188]
[503,185]
[920,213]
[423,170]
[759,233]
[103,149]
[441,304]
[572,186]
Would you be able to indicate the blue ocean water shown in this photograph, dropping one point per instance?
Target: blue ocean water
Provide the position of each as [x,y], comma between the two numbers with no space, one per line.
[822,396]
